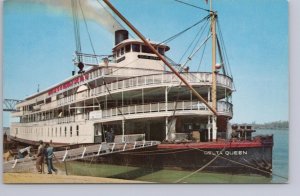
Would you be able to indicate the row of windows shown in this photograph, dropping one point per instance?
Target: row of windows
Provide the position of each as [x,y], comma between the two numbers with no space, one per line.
[137,48]
[62,131]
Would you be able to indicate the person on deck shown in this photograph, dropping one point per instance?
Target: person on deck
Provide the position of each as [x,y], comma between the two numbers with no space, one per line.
[49,156]
[112,134]
[40,157]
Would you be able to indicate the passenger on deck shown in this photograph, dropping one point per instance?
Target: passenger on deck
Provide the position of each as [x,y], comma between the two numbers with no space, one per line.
[110,136]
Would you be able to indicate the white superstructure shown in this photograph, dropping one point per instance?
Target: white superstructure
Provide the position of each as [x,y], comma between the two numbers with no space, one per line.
[131,93]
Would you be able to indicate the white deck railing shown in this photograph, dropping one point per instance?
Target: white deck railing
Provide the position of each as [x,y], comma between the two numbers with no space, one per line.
[222,107]
[146,81]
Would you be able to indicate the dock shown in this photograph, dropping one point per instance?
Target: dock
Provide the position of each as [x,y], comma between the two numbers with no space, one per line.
[21,178]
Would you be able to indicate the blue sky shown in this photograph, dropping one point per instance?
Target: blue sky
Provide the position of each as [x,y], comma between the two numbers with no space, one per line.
[39,45]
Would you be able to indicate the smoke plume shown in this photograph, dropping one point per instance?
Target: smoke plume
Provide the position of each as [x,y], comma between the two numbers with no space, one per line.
[92,10]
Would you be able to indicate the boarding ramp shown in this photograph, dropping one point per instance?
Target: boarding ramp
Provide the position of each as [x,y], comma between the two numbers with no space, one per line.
[85,152]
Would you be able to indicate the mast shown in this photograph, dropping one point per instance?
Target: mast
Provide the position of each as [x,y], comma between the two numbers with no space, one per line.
[159,55]
[214,71]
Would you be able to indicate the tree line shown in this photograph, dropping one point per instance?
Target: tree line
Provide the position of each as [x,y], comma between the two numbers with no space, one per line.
[271,125]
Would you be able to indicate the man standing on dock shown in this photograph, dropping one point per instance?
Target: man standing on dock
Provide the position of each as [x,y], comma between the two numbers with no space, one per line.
[49,156]
[40,157]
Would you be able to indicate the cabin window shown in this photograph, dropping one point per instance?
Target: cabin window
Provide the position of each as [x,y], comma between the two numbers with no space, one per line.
[16,131]
[148,57]
[70,131]
[60,131]
[48,100]
[146,49]
[136,48]
[77,130]
[48,132]
[65,131]
[56,132]
[118,53]
[127,48]
[121,59]
[122,51]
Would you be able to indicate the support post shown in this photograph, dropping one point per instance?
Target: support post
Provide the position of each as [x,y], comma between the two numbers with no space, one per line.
[208,128]
[214,128]
[166,99]
[214,73]
[123,130]
[167,130]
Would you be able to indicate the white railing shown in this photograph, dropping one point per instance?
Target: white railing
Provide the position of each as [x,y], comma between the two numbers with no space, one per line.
[68,119]
[149,80]
[222,107]
[162,79]
[90,59]
[129,138]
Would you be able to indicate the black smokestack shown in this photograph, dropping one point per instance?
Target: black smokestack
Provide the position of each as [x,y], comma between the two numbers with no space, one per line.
[120,35]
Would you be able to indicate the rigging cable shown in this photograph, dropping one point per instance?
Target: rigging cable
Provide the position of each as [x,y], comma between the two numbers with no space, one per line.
[200,31]
[221,55]
[87,29]
[183,31]
[225,51]
[201,168]
[191,5]
[197,50]
[76,28]
[201,59]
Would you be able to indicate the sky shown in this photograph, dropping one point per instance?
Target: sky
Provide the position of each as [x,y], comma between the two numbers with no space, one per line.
[38,46]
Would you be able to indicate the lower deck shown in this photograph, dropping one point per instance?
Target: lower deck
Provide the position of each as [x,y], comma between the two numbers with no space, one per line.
[175,128]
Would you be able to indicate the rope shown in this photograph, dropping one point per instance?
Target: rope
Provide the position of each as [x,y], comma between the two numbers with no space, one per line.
[191,5]
[76,27]
[201,168]
[224,49]
[87,29]
[183,31]
[245,165]
[202,55]
[200,31]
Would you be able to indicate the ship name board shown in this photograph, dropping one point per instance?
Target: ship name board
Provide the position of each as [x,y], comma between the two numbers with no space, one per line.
[226,152]
[68,84]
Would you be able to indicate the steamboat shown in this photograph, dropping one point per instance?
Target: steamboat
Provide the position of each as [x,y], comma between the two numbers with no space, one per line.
[136,94]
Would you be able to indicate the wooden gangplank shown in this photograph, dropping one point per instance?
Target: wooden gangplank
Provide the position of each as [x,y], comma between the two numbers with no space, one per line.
[28,163]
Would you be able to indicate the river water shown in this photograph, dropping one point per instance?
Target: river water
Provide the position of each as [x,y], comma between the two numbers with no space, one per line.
[280,169]
[280,153]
